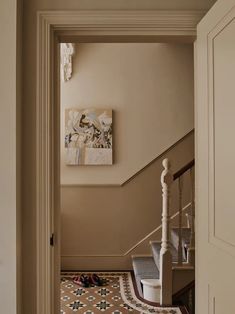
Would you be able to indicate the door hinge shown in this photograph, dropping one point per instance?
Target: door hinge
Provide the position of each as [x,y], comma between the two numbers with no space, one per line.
[52,239]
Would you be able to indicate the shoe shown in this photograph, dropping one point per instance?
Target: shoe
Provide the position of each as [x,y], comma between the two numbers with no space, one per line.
[82,281]
[96,280]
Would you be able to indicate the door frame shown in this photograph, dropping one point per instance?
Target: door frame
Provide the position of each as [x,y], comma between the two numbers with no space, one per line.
[79,26]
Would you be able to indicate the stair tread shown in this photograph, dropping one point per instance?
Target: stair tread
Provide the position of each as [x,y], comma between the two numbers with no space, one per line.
[156,248]
[185,234]
[145,267]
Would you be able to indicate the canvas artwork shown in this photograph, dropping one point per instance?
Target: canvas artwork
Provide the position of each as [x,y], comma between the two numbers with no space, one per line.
[88,136]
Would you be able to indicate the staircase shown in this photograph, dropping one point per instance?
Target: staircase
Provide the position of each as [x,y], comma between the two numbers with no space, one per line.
[171,266]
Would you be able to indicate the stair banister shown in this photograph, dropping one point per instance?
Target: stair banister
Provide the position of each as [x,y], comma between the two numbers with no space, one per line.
[165,253]
[182,171]
[180,248]
[190,216]
[191,249]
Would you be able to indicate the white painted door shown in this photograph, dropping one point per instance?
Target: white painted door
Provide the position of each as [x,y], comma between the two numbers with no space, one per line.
[215,161]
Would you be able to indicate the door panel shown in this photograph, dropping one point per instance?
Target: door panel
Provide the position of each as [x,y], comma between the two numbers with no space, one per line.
[215,155]
[223,152]
[221,63]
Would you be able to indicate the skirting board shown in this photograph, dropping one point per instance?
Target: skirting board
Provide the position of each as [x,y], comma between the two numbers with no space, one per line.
[98,263]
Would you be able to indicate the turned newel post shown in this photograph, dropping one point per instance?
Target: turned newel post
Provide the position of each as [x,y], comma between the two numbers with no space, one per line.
[165,253]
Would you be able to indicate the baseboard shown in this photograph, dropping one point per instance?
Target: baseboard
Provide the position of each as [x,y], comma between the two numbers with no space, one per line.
[98,263]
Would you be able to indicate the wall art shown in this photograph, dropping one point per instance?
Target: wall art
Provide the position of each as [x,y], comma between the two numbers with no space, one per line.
[88,136]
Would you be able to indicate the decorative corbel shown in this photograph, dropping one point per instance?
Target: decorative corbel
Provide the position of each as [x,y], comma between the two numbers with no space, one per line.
[67,50]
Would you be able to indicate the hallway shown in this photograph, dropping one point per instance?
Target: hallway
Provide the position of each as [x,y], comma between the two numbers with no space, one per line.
[116,296]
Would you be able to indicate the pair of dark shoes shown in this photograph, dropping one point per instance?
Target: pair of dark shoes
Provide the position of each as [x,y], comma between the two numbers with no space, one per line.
[87,281]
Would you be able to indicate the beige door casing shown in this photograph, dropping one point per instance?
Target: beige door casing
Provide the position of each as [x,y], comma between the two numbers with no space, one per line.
[79,26]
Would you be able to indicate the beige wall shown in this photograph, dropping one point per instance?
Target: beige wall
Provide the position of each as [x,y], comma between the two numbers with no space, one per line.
[9,157]
[30,8]
[108,221]
[150,89]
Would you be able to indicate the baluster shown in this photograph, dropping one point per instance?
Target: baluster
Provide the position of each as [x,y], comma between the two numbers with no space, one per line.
[188,220]
[180,248]
[191,250]
[165,253]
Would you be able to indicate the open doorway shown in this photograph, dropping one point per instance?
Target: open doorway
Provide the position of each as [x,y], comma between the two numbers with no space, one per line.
[111,211]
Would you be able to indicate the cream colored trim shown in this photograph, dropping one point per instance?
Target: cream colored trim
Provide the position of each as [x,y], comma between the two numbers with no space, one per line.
[88,26]
[123,23]
[44,164]
[134,246]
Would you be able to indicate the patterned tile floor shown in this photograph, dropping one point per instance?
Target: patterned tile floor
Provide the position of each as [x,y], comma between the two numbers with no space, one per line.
[116,297]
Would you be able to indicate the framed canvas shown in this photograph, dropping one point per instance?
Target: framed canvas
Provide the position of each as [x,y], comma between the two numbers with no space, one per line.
[88,136]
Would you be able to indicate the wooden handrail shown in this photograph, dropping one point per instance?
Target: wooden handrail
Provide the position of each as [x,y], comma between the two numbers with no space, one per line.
[180,172]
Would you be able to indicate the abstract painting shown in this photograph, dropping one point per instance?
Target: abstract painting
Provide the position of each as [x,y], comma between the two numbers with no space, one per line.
[88,136]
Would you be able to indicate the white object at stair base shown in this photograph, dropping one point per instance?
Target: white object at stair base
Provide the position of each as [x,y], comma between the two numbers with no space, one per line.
[151,289]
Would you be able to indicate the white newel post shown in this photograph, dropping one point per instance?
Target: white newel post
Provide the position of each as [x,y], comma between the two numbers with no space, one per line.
[165,254]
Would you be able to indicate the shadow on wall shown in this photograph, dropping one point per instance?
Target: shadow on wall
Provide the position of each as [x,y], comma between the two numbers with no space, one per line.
[99,224]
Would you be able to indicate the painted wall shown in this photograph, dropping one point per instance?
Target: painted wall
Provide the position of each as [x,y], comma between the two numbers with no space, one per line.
[100,224]
[30,8]
[153,109]
[150,89]
[9,196]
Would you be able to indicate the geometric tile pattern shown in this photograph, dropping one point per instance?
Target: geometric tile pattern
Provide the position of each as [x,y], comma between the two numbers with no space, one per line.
[116,297]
